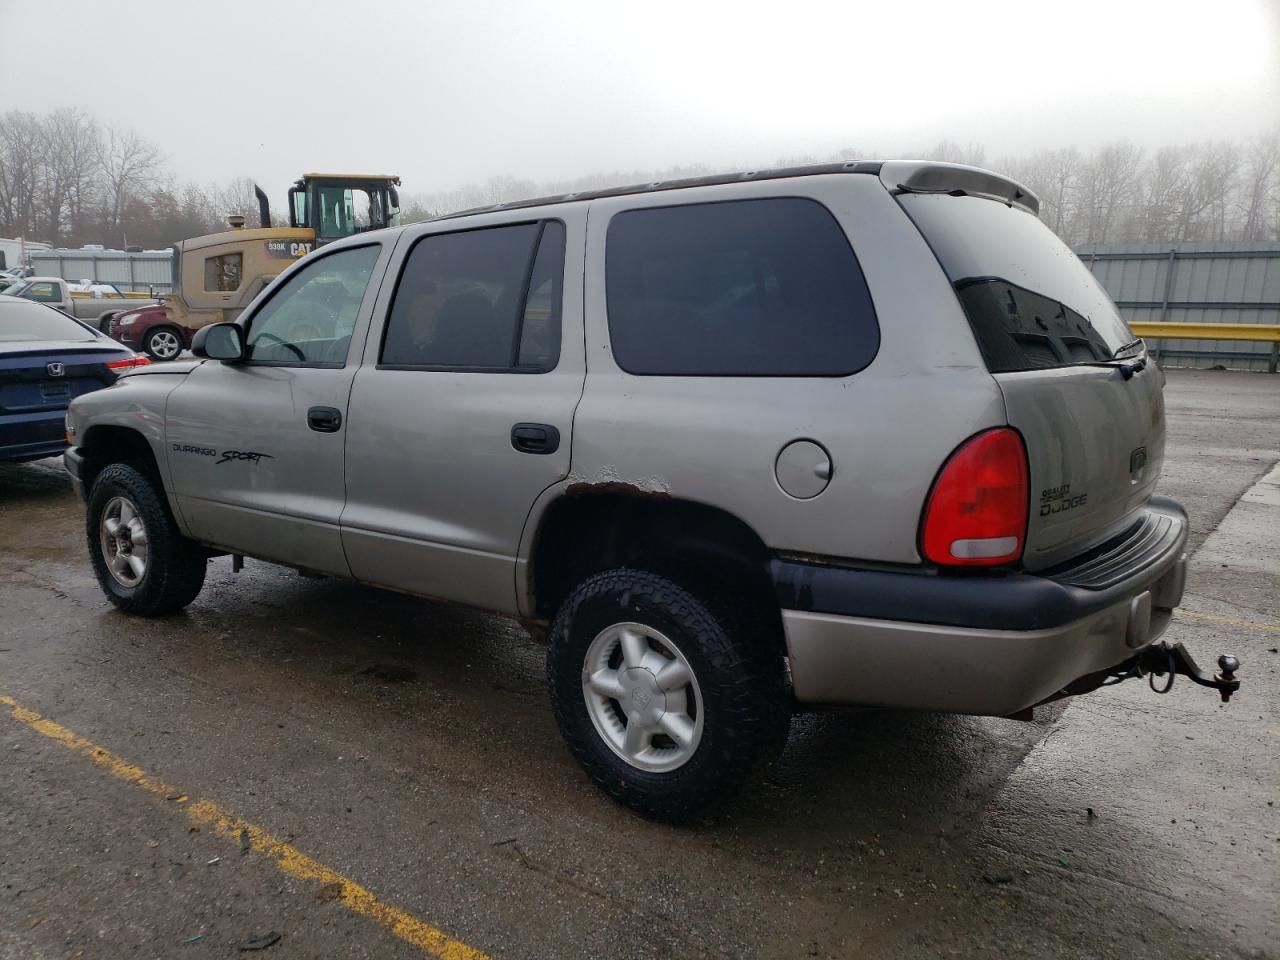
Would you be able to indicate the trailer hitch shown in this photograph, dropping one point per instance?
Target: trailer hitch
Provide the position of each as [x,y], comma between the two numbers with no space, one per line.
[1163,660]
[1158,660]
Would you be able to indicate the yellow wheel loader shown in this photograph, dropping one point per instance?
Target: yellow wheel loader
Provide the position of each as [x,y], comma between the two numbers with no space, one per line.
[216,276]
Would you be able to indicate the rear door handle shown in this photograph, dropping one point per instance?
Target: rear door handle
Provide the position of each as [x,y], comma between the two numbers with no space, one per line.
[324,419]
[538,438]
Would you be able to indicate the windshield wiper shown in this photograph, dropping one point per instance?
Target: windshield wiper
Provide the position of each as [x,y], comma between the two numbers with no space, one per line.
[1126,347]
[1128,365]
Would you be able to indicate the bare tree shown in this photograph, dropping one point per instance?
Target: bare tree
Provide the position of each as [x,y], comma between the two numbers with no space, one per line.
[236,198]
[22,160]
[1109,182]
[129,165]
[1260,196]
[949,151]
[1211,179]
[65,178]
[70,185]
[1054,177]
[1166,182]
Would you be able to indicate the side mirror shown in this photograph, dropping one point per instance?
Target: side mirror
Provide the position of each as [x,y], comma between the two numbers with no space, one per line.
[219,341]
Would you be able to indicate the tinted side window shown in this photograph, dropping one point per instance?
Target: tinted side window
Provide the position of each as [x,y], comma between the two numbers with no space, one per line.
[741,288]
[481,300]
[540,329]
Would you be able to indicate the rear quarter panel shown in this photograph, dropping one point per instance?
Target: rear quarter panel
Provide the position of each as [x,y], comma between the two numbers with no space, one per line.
[715,440]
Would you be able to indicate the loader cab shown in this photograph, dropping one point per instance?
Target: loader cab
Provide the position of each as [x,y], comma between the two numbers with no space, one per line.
[336,206]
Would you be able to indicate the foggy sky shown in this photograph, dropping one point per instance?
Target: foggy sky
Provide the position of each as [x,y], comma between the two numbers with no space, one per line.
[451,93]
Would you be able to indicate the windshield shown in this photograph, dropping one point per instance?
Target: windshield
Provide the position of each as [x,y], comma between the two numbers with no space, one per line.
[21,321]
[1031,302]
[341,211]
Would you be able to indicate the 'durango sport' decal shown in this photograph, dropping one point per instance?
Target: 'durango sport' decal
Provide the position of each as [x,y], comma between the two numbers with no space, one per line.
[226,456]
[243,455]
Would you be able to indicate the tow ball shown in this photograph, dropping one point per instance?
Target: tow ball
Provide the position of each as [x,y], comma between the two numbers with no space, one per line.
[1162,660]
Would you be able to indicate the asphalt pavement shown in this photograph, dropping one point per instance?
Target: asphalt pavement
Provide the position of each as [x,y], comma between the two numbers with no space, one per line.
[370,775]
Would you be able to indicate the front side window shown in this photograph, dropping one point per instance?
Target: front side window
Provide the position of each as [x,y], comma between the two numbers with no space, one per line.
[223,273]
[485,299]
[39,292]
[741,288]
[310,319]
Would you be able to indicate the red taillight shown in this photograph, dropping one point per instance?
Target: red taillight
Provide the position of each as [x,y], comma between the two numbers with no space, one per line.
[977,511]
[129,362]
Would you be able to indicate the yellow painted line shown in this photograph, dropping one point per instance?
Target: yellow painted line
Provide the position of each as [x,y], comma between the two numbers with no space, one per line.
[1215,618]
[209,816]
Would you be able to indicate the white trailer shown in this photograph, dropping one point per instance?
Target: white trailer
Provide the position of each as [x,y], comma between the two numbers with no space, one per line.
[17,252]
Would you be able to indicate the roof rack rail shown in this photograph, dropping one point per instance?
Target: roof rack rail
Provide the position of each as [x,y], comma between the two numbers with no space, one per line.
[777,173]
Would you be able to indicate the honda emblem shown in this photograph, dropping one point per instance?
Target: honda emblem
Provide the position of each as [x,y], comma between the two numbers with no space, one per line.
[56,369]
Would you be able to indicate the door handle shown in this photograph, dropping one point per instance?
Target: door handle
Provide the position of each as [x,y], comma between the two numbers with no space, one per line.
[324,419]
[539,438]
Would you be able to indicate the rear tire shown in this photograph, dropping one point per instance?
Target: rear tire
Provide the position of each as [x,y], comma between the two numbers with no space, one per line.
[142,561]
[668,750]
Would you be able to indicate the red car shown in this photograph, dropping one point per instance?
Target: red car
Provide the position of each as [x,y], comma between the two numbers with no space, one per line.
[149,330]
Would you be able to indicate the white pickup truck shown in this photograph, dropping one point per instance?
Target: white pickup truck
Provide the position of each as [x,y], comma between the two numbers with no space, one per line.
[95,305]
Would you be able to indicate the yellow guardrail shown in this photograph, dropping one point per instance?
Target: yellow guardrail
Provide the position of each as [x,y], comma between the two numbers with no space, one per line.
[1253,332]
[125,294]
[1257,332]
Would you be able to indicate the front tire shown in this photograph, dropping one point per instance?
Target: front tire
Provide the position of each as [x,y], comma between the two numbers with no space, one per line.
[142,561]
[163,343]
[666,708]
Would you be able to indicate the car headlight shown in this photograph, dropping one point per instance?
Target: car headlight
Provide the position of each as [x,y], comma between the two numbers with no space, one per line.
[128,318]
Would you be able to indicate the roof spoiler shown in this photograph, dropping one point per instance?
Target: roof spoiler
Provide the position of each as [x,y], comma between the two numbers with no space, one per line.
[264,207]
[956,179]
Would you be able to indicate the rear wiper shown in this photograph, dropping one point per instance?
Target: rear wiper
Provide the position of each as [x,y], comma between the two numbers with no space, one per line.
[1128,365]
[1125,348]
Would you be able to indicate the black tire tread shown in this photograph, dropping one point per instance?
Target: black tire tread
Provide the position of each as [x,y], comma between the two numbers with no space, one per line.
[752,706]
[176,565]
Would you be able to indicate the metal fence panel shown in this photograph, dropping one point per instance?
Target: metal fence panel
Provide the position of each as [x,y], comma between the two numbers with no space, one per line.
[128,271]
[1194,283]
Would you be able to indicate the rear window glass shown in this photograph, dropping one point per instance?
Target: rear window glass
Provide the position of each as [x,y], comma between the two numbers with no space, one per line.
[1030,301]
[741,288]
[223,272]
[29,321]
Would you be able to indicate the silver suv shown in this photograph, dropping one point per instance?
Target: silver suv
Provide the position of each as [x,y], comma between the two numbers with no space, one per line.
[861,433]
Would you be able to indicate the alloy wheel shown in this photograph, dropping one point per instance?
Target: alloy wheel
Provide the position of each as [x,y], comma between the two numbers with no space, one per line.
[643,697]
[124,542]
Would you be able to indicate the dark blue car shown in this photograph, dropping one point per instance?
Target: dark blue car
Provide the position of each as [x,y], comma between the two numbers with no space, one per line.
[47,359]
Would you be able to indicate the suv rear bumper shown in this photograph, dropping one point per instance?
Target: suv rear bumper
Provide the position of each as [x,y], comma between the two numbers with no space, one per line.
[991,645]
